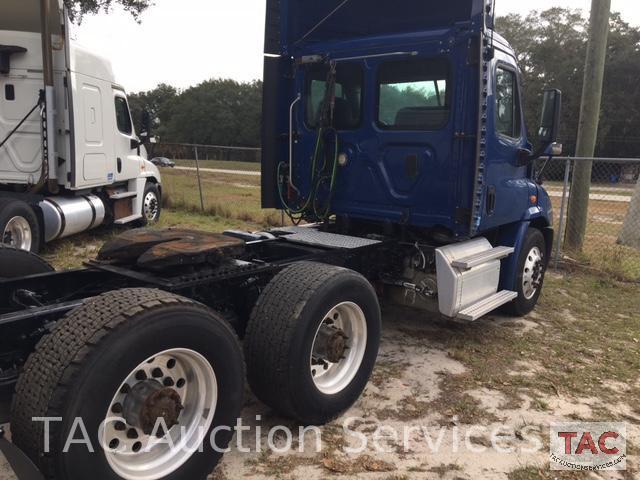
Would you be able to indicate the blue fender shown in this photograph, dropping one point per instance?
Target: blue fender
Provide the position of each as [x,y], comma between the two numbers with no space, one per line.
[512,236]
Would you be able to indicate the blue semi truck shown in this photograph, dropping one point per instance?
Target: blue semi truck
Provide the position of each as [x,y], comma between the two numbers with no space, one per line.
[394,140]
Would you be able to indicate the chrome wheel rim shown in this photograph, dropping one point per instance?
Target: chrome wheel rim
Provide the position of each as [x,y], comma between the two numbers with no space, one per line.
[136,454]
[532,275]
[17,233]
[151,206]
[338,348]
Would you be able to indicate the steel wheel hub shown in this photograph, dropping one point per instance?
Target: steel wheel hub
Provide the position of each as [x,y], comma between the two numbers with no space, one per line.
[148,402]
[17,233]
[160,415]
[532,275]
[150,206]
[338,348]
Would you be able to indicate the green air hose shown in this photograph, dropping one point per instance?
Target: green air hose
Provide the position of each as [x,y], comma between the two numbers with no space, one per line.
[309,208]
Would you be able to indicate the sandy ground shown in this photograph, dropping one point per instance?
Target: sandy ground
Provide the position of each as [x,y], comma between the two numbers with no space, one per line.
[404,386]
[5,473]
[406,391]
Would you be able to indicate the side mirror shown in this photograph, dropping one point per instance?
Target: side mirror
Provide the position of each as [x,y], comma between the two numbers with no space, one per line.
[135,143]
[550,121]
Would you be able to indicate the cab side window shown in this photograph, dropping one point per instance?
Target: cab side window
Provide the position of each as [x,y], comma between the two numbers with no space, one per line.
[123,118]
[413,95]
[508,116]
[347,113]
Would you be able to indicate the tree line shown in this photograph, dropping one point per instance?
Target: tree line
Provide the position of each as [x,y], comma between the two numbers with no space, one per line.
[550,46]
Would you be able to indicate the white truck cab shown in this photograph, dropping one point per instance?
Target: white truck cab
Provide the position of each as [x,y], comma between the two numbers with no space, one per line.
[70,159]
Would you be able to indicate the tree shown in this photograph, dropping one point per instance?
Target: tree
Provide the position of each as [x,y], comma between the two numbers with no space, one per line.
[551,48]
[78,8]
[216,112]
[159,103]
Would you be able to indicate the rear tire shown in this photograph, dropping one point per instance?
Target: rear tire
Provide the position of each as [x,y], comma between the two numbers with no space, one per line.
[283,341]
[80,370]
[19,226]
[532,266]
[16,263]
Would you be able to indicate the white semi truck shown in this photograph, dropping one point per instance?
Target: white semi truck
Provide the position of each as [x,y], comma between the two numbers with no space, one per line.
[70,159]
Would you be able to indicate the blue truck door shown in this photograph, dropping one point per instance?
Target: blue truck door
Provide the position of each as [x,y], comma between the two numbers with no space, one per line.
[412,118]
[507,192]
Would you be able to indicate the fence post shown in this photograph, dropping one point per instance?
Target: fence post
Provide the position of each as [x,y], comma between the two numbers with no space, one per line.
[199,181]
[563,206]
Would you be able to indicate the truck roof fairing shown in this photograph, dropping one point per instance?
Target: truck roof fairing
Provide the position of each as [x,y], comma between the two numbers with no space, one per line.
[24,15]
[294,23]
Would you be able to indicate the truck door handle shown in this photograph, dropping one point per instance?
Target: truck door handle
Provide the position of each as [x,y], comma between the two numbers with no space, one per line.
[119,164]
[491,200]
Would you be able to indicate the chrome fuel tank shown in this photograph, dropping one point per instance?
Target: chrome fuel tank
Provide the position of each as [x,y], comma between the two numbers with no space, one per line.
[64,216]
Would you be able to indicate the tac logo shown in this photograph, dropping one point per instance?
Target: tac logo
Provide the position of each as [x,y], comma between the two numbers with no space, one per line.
[588,446]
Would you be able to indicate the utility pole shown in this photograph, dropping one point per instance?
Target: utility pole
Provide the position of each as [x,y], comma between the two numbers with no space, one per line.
[589,121]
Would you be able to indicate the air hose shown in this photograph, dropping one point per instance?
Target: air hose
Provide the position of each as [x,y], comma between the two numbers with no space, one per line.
[323,173]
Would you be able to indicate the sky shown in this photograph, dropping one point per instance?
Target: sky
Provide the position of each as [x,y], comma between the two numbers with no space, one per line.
[184,42]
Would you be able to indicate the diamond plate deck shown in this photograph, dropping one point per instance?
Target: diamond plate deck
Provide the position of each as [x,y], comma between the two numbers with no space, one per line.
[313,237]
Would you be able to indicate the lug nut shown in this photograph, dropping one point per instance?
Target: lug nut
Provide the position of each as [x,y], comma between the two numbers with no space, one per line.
[116,408]
[120,426]
[141,375]
[168,382]
[132,433]
[157,373]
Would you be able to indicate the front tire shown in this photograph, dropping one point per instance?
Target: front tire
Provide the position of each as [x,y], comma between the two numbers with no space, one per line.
[532,266]
[312,341]
[19,226]
[113,361]
[151,205]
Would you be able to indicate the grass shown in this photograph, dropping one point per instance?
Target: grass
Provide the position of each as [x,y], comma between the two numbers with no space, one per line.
[587,337]
[536,473]
[221,164]
[225,196]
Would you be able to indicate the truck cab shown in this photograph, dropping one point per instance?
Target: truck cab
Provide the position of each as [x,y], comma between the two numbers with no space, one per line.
[70,158]
[404,118]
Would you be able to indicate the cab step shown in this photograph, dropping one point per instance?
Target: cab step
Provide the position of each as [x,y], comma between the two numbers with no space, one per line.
[129,219]
[497,253]
[121,195]
[474,312]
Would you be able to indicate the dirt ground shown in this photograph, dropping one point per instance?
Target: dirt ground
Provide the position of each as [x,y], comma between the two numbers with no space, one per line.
[497,377]
[495,385]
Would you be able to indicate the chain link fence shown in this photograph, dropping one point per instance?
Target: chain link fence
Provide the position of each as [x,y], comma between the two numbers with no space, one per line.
[206,153]
[221,182]
[612,235]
